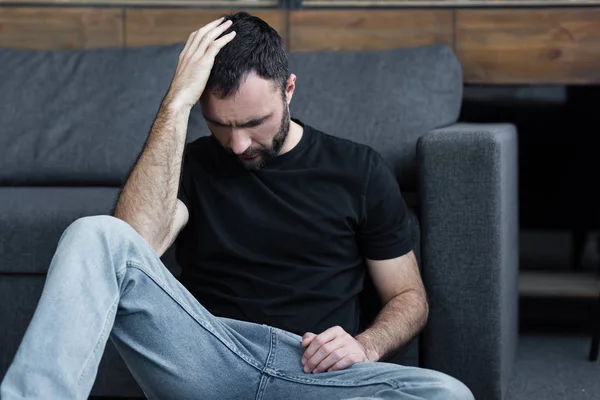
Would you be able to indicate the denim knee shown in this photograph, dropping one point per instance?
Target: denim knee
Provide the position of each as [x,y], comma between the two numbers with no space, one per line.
[99,224]
[102,232]
[449,388]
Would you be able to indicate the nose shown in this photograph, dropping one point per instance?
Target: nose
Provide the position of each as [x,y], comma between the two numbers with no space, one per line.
[239,142]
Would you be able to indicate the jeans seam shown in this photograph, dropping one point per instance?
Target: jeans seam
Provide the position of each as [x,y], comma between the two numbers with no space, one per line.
[321,382]
[204,324]
[100,340]
[272,349]
[262,384]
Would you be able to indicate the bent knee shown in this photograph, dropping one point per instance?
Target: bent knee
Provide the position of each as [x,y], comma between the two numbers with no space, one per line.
[97,226]
[97,223]
[450,388]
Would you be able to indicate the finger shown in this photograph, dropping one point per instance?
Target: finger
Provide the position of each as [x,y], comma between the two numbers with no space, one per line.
[307,338]
[187,44]
[210,37]
[214,48]
[316,343]
[200,31]
[323,352]
[321,339]
[346,362]
[204,31]
[332,358]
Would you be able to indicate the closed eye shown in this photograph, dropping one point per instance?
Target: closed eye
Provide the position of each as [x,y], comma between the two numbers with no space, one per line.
[218,124]
[250,124]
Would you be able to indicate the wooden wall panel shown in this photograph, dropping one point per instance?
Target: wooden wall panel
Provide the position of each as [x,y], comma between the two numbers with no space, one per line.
[60,28]
[498,46]
[151,3]
[444,3]
[166,26]
[368,29]
[525,46]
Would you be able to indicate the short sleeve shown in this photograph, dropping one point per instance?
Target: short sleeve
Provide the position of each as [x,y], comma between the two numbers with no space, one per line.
[384,232]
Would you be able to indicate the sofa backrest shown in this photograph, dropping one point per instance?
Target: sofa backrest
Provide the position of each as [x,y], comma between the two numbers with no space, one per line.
[78,117]
[81,117]
[385,99]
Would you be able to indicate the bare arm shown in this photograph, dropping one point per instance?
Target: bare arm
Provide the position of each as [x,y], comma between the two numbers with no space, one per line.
[148,201]
[403,315]
[405,309]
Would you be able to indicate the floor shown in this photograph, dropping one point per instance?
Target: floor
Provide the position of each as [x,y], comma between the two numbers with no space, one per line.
[554,366]
[556,314]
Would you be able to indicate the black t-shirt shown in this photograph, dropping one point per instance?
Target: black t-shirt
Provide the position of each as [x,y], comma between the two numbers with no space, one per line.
[285,245]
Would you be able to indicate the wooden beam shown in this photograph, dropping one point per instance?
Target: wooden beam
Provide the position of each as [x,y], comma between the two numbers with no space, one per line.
[368,29]
[444,3]
[529,46]
[559,284]
[172,25]
[164,3]
[316,3]
[60,28]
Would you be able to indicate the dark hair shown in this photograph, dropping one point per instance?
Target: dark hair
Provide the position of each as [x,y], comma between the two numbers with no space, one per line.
[256,47]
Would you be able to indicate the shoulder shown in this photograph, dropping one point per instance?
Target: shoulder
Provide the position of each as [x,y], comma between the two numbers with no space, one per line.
[346,151]
[354,156]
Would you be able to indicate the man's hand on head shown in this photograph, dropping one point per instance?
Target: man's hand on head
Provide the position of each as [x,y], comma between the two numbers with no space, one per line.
[332,350]
[196,61]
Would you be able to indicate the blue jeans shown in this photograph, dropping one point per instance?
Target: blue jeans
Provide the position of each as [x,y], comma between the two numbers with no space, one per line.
[105,280]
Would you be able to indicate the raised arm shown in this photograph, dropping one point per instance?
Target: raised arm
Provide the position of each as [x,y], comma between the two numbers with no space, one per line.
[148,201]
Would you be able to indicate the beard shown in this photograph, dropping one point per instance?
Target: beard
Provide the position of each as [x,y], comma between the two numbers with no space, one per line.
[266,153]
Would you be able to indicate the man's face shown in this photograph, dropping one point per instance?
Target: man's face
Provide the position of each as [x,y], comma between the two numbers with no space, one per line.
[252,124]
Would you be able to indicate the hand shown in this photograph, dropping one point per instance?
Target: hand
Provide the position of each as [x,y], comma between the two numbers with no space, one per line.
[332,350]
[196,61]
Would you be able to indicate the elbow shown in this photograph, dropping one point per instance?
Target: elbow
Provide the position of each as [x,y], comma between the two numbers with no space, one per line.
[158,241]
[158,244]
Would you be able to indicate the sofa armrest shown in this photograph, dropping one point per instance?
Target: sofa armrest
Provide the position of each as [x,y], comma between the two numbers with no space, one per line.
[469,243]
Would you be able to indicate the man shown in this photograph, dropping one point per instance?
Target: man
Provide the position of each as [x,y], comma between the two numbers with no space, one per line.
[275,223]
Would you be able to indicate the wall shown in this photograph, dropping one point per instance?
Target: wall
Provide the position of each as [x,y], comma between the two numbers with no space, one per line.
[519,45]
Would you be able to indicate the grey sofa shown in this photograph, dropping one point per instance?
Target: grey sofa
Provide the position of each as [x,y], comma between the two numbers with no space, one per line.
[73,122]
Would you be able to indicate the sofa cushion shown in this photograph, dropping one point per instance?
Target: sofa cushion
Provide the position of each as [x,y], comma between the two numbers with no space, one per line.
[78,116]
[386,99]
[32,220]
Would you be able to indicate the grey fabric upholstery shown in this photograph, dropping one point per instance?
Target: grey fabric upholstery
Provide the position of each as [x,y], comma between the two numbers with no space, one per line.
[73,123]
[79,117]
[469,242]
[33,218]
[385,99]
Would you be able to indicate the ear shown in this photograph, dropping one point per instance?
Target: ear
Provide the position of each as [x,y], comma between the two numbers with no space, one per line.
[290,87]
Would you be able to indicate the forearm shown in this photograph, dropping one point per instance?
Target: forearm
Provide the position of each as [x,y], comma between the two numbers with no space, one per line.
[149,198]
[397,323]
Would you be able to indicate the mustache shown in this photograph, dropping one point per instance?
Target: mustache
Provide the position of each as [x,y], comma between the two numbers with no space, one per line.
[248,152]
[252,152]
